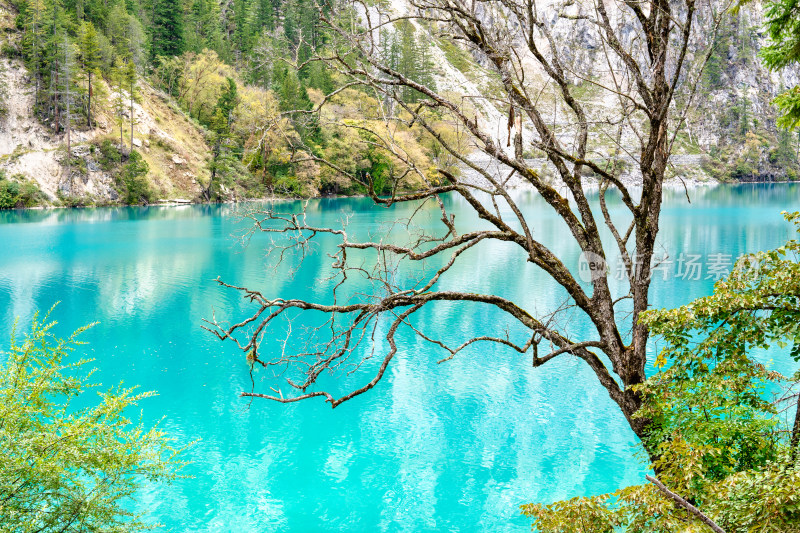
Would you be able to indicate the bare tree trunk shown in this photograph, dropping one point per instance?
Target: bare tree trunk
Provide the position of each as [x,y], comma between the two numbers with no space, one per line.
[649,51]
[207,192]
[68,118]
[89,103]
[56,102]
[35,53]
[795,442]
[131,117]
[69,153]
[686,505]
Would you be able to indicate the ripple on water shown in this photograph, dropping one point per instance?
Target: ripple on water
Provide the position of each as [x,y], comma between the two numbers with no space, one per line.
[456,446]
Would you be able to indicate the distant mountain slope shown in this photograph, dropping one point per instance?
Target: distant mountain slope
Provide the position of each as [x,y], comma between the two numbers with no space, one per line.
[730,131]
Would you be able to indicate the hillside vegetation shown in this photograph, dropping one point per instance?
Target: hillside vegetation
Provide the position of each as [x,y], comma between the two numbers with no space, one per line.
[189,109]
[156,104]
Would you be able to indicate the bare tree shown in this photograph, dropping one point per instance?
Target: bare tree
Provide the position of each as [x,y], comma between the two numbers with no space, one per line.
[67,71]
[640,61]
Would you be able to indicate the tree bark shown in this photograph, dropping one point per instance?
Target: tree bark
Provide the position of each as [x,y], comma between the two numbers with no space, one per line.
[511,35]
[686,505]
[795,442]
[131,117]
[89,103]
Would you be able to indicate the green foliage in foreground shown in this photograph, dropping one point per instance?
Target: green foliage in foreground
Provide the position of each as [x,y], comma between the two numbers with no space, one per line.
[719,441]
[64,466]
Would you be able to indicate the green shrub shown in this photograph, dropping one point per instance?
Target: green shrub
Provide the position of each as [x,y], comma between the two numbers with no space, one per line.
[288,185]
[110,155]
[78,164]
[15,194]
[134,179]
[72,460]
[9,50]
[68,200]
[743,170]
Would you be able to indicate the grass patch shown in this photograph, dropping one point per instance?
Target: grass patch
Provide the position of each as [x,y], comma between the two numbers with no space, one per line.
[460,59]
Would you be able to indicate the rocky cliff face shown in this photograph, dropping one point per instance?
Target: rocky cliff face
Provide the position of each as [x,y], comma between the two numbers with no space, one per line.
[26,147]
[730,132]
[734,124]
[173,146]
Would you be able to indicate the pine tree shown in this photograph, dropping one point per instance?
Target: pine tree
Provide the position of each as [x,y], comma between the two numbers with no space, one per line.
[319,77]
[167,33]
[389,49]
[262,61]
[130,83]
[411,57]
[97,11]
[290,17]
[80,15]
[390,53]
[293,94]
[204,27]
[425,66]
[90,57]
[66,92]
[407,59]
[294,98]
[125,32]
[51,62]
[220,125]
[227,102]
[32,40]
[240,25]
[118,80]
[745,118]
[266,15]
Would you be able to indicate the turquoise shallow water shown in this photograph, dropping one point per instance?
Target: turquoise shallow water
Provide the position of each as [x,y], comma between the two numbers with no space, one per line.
[452,447]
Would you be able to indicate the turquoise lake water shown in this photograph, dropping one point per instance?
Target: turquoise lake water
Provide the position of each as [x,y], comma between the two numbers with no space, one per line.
[451,447]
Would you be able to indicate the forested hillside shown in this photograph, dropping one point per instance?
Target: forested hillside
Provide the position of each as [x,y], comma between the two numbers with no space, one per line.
[189,101]
[735,123]
[154,102]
